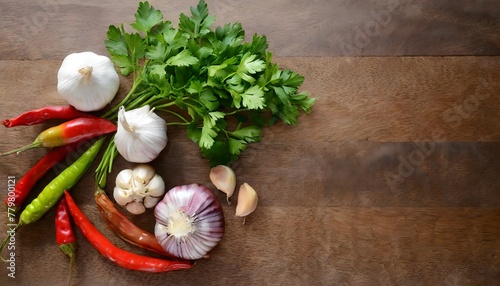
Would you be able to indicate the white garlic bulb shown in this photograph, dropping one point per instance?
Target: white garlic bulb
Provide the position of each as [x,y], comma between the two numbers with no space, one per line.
[141,134]
[87,81]
[138,189]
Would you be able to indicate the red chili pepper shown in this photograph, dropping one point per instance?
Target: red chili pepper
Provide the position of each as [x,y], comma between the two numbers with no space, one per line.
[117,255]
[69,132]
[26,183]
[124,228]
[65,237]
[43,114]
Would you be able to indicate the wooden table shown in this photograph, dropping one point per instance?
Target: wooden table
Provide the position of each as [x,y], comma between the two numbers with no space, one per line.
[392,180]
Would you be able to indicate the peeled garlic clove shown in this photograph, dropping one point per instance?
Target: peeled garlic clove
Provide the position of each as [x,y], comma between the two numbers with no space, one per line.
[223,179]
[143,173]
[150,202]
[247,201]
[156,187]
[122,196]
[135,208]
[124,179]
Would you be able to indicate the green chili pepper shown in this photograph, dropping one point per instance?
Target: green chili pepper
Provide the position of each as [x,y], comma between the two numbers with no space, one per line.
[55,189]
[51,194]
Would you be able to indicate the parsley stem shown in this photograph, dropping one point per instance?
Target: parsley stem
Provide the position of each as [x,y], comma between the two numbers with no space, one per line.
[163,106]
[106,163]
[236,111]
[177,115]
[141,100]
[112,114]
[178,123]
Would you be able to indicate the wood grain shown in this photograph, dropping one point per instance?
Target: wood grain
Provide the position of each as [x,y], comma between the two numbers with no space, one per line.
[393,179]
[306,246]
[361,192]
[50,29]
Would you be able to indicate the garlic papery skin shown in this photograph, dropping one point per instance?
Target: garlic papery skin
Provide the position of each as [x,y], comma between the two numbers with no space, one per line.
[247,201]
[141,134]
[87,81]
[137,189]
[224,180]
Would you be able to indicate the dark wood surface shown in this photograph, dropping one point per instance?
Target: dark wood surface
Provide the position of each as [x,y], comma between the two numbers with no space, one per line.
[392,180]
[51,29]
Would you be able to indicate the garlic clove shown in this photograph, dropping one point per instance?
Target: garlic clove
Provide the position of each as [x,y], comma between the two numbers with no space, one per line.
[143,173]
[150,202]
[247,200]
[135,208]
[224,179]
[139,186]
[156,187]
[124,179]
[122,196]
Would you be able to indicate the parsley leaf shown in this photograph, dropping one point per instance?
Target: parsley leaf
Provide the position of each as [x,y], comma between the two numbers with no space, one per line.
[158,70]
[183,58]
[206,77]
[250,65]
[253,98]
[199,23]
[157,53]
[208,132]
[146,17]
[236,146]
[116,43]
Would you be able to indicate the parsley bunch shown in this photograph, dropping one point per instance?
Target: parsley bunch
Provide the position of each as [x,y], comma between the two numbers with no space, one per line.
[223,89]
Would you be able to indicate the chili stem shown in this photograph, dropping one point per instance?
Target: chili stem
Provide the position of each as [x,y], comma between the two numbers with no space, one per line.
[10,233]
[71,266]
[36,144]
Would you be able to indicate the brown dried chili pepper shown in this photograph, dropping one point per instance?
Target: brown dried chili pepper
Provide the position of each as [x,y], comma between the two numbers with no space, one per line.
[124,228]
[43,114]
[28,181]
[119,256]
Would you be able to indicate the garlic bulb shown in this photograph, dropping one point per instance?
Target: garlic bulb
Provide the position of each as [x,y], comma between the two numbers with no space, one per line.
[247,201]
[141,134]
[224,180]
[189,221]
[138,189]
[87,81]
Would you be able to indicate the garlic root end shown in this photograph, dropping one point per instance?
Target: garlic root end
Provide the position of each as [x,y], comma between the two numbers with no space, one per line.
[86,72]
